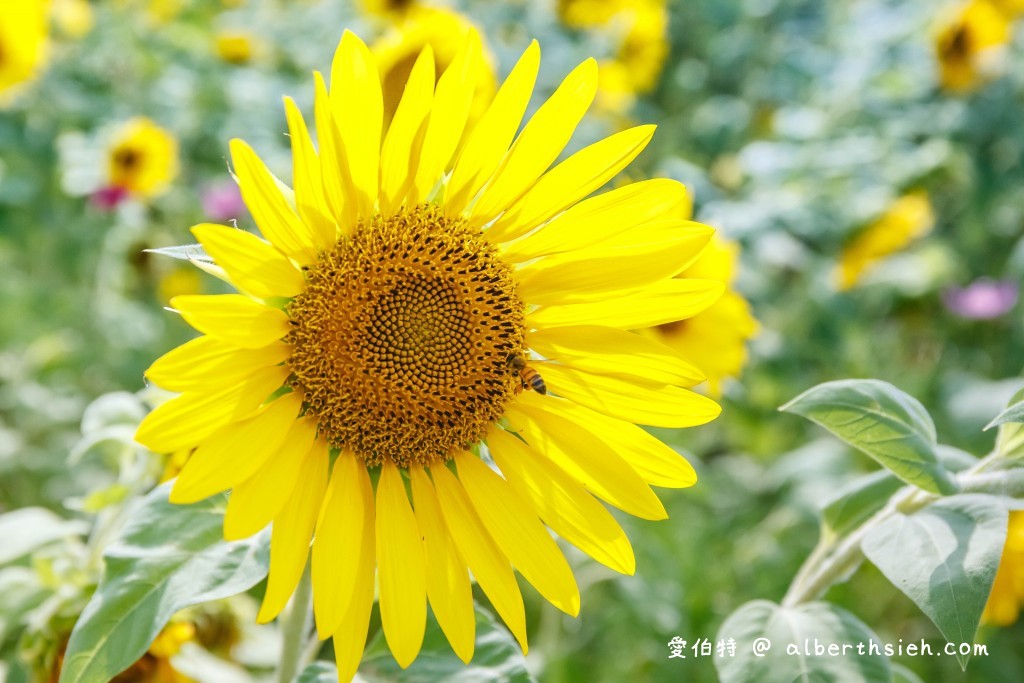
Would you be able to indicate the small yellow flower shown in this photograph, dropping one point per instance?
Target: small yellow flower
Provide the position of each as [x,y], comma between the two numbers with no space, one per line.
[178,282]
[369,386]
[969,43]
[23,42]
[641,30]
[445,33]
[387,8]
[715,339]
[234,47]
[143,158]
[1004,603]
[74,18]
[908,218]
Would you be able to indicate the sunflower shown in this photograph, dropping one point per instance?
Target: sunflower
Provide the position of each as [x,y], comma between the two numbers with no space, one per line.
[641,27]
[372,352]
[23,38]
[1004,603]
[445,32]
[968,44]
[908,218]
[715,339]
[143,158]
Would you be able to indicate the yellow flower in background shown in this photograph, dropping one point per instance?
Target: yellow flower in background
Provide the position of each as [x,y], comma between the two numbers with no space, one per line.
[23,41]
[445,33]
[74,18]
[641,29]
[387,8]
[234,47]
[968,44]
[1007,596]
[714,340]
[1010,8]
[384,342]
[908,218]
[178,282]
[143,158]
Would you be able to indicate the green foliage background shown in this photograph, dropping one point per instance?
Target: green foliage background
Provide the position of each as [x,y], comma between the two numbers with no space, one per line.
[794,122]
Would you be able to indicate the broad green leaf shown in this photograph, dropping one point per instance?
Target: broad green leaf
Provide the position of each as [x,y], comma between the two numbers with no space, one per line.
[1015,413]
[798,640]
[497,657]
[167,558]
[901,674]
[944,558]
[319,672]
[858,500]
[883,422]
[1010,440]
[27,529]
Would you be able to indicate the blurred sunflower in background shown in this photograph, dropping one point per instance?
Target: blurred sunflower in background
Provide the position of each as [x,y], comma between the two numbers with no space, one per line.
[387,340]
[23,42]
[640,32]
[714,340]
[142,158]
[969,42]
[1007,596]
[908,218]
[445,33]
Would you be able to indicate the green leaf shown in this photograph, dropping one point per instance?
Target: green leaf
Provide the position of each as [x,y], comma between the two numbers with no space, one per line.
[1015,413]
[883,422]
[944,558]
[497,657]
[20,593]
[28,529]
[319,672]
[858,500]
[167,558]
[799,639]
[901,674]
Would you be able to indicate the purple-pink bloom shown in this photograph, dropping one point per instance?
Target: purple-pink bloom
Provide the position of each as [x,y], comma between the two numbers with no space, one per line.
[983,299]
[222,202]
[107,198]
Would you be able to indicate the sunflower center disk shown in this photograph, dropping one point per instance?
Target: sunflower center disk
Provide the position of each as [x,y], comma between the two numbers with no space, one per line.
[402,338]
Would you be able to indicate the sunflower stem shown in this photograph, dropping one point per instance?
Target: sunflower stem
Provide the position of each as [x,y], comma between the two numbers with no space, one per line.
[295,629]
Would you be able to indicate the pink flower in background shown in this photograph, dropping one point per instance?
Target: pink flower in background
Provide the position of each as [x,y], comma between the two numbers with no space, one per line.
[983,299]
[222,202]
[107,198]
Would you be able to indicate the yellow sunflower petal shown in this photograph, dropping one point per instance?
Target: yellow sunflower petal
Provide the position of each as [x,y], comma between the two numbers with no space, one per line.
[401,151]
[598,218]
[233,318]
[655,405]
[656,463]
[343,560]
[448,587]
[207,362]
[292,531]
[186,420]
[521,536]
[273,214]
[253,265]
[401,568]
[308,179]
[540,143]
[256,500]
[334,168]
[662,302]
[234,453]
[452,103]
[570,181]
[617,353]
[491,137]
[562,502]
[585,275]
[485,559]
[585,458]
[358,105]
